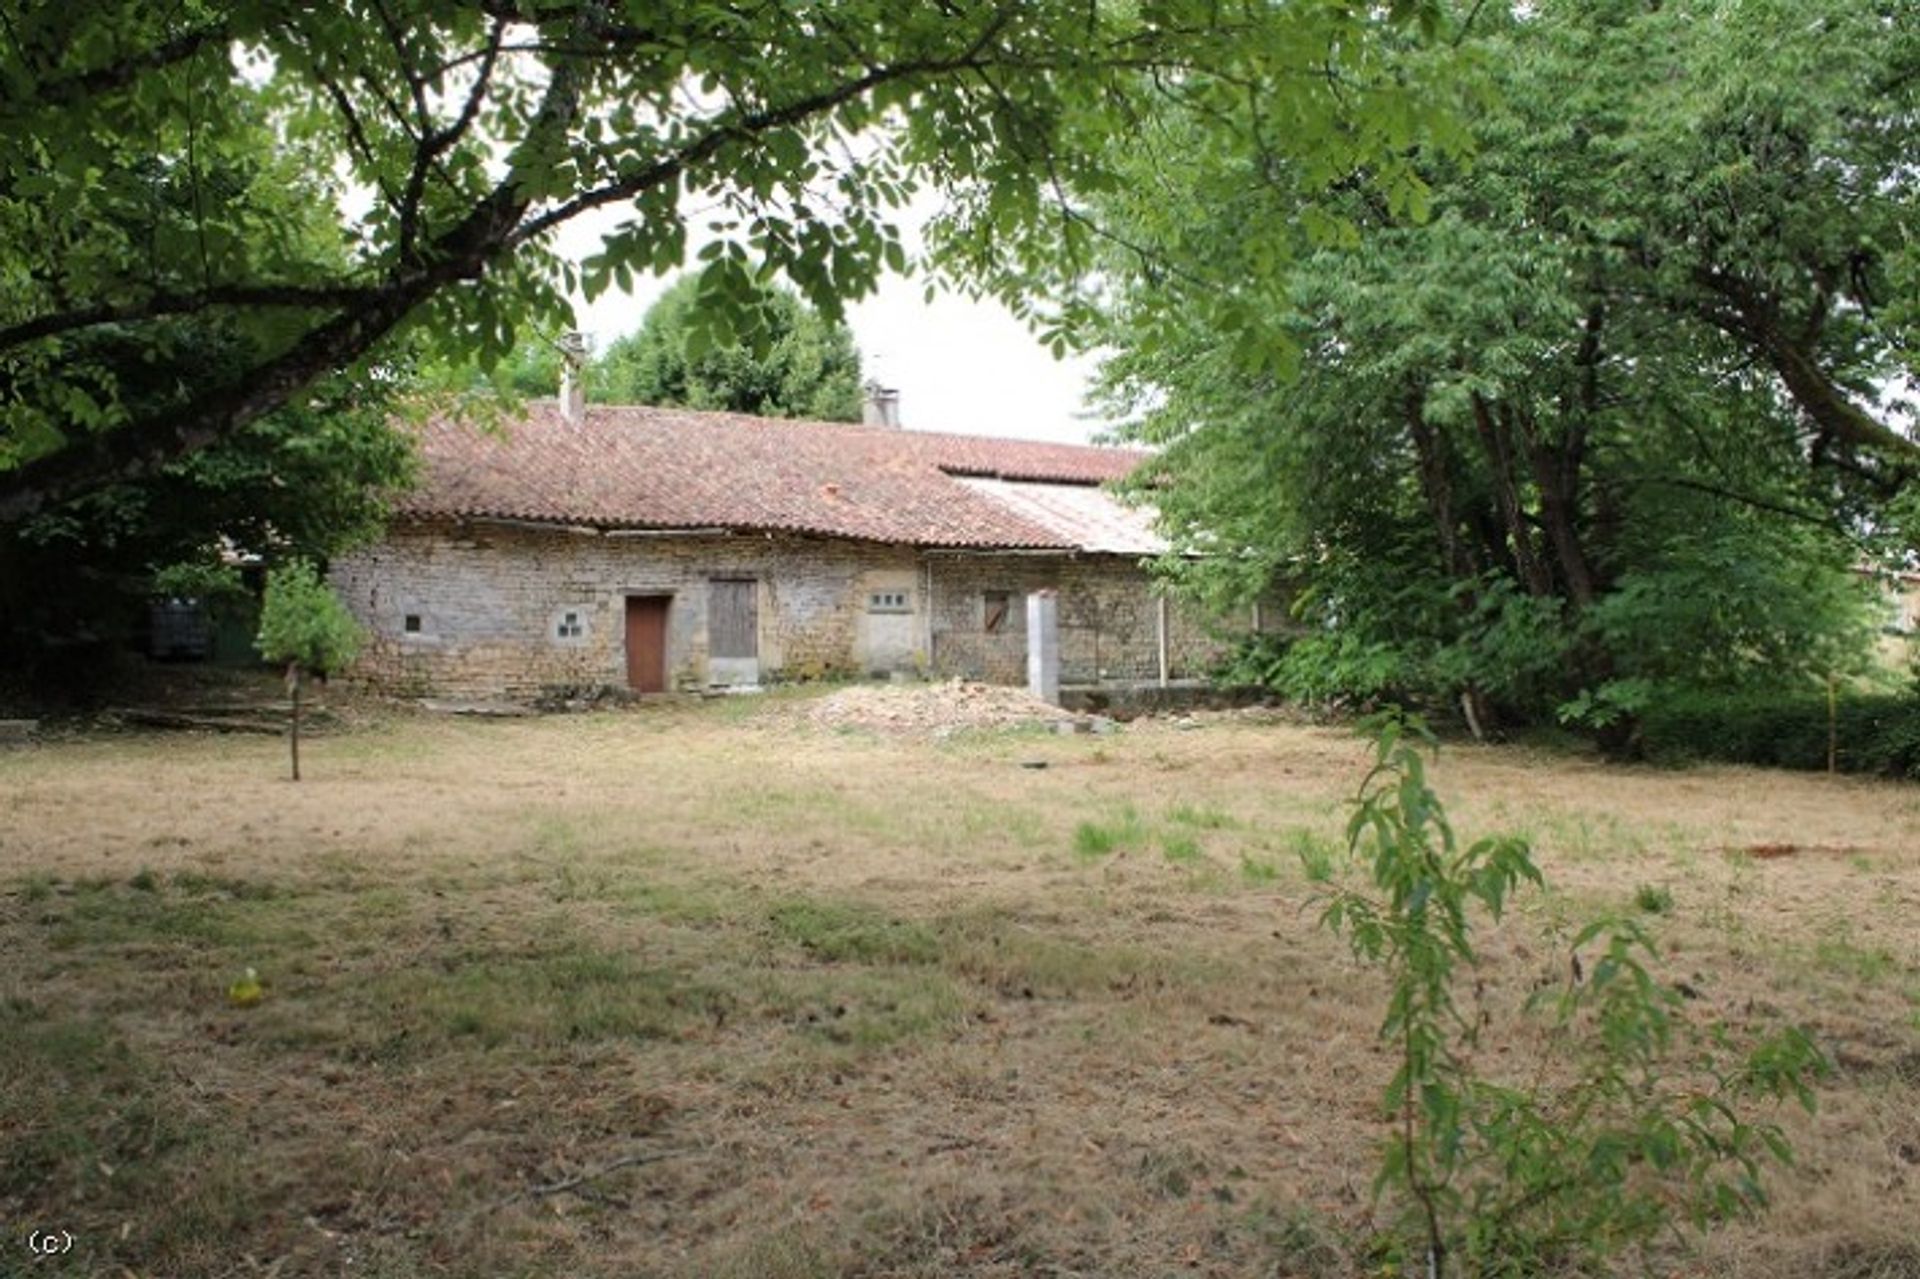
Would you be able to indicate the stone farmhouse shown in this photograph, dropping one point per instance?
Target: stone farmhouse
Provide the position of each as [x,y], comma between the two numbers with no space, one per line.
[663,549]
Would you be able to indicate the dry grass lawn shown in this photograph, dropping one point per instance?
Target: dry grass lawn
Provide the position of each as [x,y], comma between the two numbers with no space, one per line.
[699,990]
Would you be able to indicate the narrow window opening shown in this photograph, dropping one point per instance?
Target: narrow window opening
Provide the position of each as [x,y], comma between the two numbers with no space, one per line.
[995,606]
[412,624]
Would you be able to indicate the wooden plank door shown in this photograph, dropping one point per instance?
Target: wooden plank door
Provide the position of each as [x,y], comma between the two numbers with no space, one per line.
[647,643]
[733,618]
[733,631]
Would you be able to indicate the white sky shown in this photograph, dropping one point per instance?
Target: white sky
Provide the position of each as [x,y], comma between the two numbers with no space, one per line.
[959,365]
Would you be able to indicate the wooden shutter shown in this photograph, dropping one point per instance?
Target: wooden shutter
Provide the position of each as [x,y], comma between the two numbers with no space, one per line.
[733,618]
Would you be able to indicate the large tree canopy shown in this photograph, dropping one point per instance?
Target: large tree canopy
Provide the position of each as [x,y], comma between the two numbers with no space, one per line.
[304,480]
[799,365]
[1615,415]
[440,145]
[793,363]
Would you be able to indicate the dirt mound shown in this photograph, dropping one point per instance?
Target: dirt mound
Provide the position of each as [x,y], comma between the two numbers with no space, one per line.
[929,708]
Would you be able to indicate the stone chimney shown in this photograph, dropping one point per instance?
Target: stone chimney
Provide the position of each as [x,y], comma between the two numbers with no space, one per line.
[882,407]
[573,376]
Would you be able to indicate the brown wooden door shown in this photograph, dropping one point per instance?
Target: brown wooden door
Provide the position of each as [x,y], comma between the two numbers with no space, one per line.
[647,643]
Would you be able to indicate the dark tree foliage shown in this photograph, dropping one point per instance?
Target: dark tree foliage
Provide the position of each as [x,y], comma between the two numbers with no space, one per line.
[793,362]
[305,480]
[1609,410]
[800,364]
[464,135]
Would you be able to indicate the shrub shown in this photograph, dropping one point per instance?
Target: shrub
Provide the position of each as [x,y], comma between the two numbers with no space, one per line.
[1871,733]
[1642,1130]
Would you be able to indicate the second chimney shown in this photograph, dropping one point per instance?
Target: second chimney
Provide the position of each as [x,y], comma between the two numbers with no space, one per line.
[882,406]
[573,376]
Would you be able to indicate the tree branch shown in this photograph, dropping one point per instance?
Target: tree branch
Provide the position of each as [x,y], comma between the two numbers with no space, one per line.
[745,126]
[435,142]
[463,252]
[75,87]
[1746,499]
[170,302]
[1750,317]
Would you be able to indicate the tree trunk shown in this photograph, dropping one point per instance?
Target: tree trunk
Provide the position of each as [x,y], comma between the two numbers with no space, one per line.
[1436,482]
[1526,556]
[1556,476]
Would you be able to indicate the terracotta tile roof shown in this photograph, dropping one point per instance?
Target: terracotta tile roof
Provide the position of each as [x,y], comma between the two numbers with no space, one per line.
[635,467]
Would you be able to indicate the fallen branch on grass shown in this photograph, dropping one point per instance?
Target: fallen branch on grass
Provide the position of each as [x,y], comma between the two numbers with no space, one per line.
[577,1184]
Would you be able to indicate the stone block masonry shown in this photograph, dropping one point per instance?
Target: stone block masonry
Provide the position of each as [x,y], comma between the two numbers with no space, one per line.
[494,609]
[1108,619]
[490,609]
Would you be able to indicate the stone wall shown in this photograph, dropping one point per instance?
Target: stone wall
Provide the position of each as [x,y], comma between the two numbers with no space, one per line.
[510,610]
[492,601]
[1109,623]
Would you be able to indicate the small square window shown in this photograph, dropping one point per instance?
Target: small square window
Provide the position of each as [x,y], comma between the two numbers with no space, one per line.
[412,624]
[570,626]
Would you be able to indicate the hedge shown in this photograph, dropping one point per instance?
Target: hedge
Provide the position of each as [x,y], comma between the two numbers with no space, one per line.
[1874,734]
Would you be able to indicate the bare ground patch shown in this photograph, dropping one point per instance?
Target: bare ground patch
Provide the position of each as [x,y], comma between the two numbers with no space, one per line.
[704,990]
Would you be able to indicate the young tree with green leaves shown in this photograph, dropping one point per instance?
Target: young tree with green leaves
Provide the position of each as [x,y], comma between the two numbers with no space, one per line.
[466,135]
[1645,1120]
[304,624]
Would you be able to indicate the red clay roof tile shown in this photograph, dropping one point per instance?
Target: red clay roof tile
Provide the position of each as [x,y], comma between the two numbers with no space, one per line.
[636,467]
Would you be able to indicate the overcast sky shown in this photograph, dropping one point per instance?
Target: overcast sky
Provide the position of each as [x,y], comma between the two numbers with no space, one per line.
[959,365]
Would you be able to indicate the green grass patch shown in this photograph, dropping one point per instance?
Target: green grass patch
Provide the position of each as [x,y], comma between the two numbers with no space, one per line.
[1015,959]
[193,913]
[80,1107]
[1317,854]
[1258,871]
[1201,817]
[698,905]
[846,933]
[1094,840]
[1838,953]
[1585,837]
[569,995]
[861,1009]
[1653,899]
[1181,850]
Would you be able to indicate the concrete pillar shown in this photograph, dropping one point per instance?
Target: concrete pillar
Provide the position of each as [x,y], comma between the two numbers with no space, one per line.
[1160,625]
[1043,646]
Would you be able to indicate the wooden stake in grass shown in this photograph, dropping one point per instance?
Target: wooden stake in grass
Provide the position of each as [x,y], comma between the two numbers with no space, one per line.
[304,624]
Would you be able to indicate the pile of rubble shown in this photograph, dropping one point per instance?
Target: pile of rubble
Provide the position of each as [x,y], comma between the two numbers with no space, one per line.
[939,709]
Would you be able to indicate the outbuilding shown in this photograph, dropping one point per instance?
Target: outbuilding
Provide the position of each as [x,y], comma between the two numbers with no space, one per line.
[657,549]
